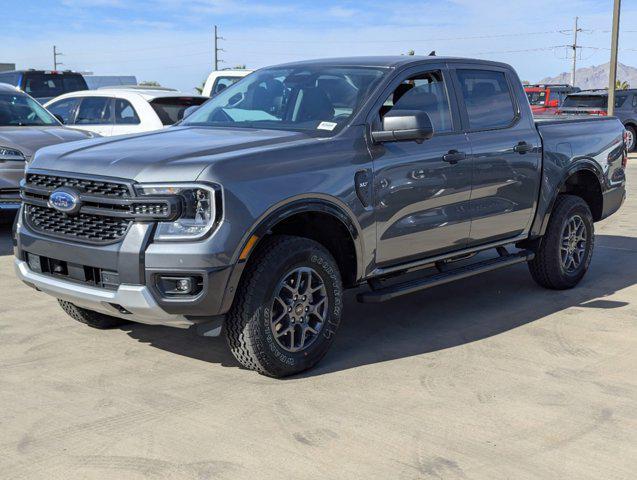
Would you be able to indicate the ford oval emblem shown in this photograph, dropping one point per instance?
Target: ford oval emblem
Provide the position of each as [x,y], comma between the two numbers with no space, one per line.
[65,200]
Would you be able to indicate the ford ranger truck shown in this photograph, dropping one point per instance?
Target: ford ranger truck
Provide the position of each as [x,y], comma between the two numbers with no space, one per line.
[252,216]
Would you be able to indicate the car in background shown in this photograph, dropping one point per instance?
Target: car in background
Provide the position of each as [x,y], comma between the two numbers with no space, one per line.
[595,102]
[219,80]
[120,111]
[96,82]
[25,126]
[43,85]
[546,98]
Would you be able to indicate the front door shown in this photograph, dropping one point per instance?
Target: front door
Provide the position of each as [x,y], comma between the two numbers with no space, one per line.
[422,190]
[506,155]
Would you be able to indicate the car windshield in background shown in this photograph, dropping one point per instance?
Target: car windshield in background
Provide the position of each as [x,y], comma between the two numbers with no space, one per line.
[319,99]
[48,85]
[536,97]
[585,101]
[21,111]
[171,109]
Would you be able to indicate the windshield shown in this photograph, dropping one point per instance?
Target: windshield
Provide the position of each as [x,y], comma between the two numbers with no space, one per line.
[20,110]
[320,99]
[536,97]
[46,85]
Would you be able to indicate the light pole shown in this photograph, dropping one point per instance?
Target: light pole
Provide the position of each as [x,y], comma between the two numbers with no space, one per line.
[614,43]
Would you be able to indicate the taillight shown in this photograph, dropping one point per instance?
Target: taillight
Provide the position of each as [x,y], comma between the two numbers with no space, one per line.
[602,113]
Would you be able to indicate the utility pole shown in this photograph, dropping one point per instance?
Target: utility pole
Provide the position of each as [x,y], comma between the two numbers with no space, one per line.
[614,43]
[56,54]
[217,49]
[574,47]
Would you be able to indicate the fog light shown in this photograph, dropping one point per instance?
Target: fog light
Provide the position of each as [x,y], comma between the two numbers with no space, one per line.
[184,285]
[179,286]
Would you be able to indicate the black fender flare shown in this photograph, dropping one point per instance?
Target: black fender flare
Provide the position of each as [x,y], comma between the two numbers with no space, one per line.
[583,164]
[280,212]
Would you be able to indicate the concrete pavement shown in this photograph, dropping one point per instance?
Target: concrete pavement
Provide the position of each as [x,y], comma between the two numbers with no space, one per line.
[488,378]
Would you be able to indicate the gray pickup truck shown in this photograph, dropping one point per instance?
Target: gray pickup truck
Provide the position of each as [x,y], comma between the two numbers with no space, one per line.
[254,214]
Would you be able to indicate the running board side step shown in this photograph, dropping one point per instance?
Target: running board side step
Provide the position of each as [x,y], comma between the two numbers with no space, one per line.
[382,294]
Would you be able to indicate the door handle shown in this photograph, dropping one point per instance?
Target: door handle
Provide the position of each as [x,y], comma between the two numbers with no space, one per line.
[454,156]
[523,147]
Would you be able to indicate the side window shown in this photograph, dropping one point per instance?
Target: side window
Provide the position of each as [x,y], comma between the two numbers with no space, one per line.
[487,99]
[426,92]
[125,114]
[222,83]
[10,78]
[94,111]
[64,109]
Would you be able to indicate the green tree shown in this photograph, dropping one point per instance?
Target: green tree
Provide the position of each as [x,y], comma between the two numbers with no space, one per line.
[622,85]
[149,83]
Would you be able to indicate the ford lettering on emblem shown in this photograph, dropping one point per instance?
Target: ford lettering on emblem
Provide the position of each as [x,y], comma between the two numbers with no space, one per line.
[65,200]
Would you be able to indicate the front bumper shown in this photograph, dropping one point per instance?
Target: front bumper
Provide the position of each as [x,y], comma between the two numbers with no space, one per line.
[136,299]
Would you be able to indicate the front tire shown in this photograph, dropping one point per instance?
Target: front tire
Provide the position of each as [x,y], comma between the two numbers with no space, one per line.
[89,317]
[287,309]
[566,250]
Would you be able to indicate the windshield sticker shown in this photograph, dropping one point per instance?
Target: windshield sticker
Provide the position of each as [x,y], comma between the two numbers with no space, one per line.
[327,126]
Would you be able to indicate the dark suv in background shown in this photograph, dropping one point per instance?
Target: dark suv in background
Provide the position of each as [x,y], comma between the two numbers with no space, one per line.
[595,102]
[44,85]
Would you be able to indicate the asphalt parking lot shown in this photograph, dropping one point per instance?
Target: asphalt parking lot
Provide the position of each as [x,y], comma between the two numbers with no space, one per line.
[488,378]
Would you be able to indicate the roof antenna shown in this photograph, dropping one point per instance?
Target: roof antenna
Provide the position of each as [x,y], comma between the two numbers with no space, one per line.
[432,53]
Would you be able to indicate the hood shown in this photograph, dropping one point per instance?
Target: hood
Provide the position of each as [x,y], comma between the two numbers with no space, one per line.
[173,154]
[30,139]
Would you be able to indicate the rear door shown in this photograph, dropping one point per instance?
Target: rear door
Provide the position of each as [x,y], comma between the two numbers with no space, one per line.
[422,189]
[506,153]
[96,115]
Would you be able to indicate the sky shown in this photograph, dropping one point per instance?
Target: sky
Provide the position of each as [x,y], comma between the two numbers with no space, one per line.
[171,41]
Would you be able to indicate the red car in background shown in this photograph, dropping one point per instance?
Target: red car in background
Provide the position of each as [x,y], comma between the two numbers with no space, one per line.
[545,99]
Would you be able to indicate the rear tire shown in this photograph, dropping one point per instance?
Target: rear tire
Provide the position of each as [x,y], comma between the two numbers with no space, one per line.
[89,317]
[566,250]
[287,308]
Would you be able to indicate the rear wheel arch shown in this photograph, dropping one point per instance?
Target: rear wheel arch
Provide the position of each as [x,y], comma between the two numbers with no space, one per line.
[586,181]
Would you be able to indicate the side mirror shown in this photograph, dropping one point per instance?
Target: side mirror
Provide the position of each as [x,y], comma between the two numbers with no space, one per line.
[403,126]
[190,110]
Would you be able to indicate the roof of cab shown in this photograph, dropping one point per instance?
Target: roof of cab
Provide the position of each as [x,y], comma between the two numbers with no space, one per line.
[393,61]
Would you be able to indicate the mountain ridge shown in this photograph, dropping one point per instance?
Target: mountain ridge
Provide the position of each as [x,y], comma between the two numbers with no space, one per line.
[596,76]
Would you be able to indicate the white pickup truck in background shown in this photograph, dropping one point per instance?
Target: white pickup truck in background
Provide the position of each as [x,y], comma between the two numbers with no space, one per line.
[219,80]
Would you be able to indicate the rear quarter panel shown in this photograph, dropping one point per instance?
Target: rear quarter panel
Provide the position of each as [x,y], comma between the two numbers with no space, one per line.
[594,144]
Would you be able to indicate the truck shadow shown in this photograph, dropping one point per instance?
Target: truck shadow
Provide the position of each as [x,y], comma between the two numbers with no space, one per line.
[444,317]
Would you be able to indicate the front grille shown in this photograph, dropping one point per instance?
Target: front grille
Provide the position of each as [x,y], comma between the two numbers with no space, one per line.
[82,185]
[82,227]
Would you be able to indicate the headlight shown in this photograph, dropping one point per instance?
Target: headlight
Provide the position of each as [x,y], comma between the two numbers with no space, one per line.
[11,154]
[198,212]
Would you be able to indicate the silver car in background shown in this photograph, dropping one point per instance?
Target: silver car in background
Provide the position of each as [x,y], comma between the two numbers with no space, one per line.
[25,126]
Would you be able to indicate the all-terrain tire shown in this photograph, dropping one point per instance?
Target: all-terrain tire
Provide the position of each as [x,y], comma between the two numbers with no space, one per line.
[251,323]
[547,268]
[89,317]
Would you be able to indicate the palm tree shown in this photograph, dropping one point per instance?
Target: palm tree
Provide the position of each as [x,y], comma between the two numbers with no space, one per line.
[622,85]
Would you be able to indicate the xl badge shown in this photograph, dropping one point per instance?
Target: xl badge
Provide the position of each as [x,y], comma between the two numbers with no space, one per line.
[65,200]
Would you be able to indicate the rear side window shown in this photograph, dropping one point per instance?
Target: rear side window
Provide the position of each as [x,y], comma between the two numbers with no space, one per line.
[487,98]
[125,114]
[94,111]
[171,109]
[64,109]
